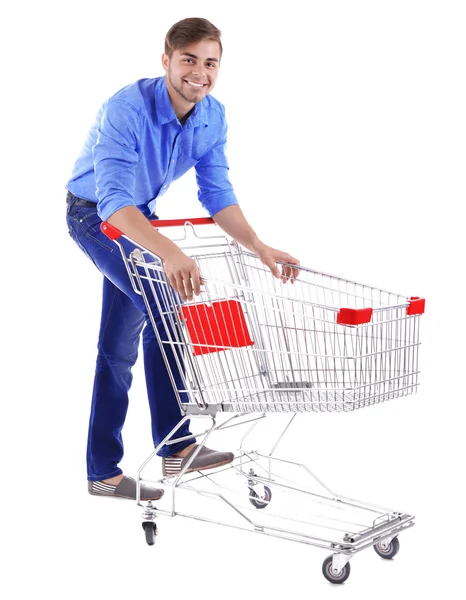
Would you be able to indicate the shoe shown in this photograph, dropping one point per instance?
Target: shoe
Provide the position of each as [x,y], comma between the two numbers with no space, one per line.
[206,459]
[125,489]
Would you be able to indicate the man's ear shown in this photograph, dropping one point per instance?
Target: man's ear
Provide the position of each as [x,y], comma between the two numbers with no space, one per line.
[165,61]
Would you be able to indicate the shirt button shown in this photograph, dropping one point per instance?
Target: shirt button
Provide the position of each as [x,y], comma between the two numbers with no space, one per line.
[173,161]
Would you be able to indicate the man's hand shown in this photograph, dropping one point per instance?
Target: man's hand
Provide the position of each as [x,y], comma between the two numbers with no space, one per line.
[183,274]
[182,271]
[232,220]
[270,256]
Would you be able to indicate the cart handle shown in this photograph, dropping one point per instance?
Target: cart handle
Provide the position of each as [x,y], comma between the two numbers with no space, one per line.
[113,233]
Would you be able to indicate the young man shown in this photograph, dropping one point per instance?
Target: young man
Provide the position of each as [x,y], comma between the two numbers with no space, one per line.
[145,136]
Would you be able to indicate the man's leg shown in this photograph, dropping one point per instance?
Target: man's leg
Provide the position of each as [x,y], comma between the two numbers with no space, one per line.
[163,403]
[120,329]
[161,390]
[123,316]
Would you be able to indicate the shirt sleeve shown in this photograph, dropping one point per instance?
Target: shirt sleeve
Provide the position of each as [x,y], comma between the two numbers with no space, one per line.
[116,156]
[215,189]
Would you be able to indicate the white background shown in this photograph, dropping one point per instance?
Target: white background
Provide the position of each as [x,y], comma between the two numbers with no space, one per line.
[347,148]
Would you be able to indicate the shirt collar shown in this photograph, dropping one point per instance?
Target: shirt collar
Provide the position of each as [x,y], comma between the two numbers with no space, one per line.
[165,110]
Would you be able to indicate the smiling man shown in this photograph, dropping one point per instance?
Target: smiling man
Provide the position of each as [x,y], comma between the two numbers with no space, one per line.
[144,137]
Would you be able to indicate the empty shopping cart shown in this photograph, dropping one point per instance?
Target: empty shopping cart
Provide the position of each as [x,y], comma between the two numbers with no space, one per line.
[251,345]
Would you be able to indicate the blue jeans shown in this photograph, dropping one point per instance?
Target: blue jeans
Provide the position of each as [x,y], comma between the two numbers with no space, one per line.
[124,317]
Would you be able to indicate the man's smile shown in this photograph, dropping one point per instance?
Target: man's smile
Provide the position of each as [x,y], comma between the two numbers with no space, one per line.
[194,83]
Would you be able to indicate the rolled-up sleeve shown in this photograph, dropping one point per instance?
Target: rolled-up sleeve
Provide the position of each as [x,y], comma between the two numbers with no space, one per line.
[116,157]
[215,189]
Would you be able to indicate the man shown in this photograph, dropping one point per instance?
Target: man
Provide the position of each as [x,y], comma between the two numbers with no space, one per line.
[144,137]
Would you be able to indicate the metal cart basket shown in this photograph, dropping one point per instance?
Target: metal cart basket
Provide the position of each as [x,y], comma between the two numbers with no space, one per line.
[250,345]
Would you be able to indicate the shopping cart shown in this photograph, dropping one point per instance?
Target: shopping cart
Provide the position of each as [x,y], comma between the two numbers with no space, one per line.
[250,345]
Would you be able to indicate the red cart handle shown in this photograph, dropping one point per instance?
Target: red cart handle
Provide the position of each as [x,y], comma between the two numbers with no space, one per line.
[113,233]
[180,222]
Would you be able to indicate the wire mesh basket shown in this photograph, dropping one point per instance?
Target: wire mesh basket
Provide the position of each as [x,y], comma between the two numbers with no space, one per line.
[250,343]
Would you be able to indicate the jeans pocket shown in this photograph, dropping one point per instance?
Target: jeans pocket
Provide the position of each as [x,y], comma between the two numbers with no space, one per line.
[88,218]
[75,230]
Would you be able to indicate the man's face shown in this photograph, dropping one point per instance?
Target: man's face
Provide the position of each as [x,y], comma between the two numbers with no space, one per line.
[192,71]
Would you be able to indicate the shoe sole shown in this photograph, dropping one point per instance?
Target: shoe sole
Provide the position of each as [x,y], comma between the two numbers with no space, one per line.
[206,468]
[124,497]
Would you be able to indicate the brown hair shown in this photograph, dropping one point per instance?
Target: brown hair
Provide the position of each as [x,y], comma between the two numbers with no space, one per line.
[190,31]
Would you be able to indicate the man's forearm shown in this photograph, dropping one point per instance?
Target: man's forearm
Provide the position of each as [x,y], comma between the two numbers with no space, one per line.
[232,220]
[130,221]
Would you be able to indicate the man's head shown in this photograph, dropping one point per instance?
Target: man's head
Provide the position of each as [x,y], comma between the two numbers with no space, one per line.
[191,60]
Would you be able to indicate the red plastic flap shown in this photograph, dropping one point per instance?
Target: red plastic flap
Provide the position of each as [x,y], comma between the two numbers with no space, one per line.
[111,232]
[221,323]
[416,306]
[354,316]
[180,222]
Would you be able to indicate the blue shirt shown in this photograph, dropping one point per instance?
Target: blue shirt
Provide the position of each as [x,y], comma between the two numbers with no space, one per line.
[137,147]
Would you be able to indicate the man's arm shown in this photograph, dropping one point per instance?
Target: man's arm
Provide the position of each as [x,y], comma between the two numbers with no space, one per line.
[232,220]
[181,270]
[218,198]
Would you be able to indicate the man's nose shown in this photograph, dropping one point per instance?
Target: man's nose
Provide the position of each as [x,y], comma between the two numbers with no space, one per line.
[198,70]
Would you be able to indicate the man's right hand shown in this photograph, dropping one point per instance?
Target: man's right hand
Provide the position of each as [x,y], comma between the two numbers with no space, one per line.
[182,271]
[183,274]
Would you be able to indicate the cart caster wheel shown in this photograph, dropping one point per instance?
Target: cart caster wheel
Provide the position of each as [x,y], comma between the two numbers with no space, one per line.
[388,550]
[335,576]
[150,530]
[263,501]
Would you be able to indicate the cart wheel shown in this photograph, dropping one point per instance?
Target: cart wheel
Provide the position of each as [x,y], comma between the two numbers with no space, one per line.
[335,576]
[388,550]
[150,530]
[263,501]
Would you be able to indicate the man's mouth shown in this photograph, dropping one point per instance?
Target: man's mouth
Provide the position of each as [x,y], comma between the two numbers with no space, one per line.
[194,84]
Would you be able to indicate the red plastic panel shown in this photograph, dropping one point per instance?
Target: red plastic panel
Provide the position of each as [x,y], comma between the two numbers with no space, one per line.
[221,323]
[354,316]
[416,306]
[111,232]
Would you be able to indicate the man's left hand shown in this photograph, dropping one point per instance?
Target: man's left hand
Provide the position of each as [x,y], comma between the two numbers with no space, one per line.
[270,256]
